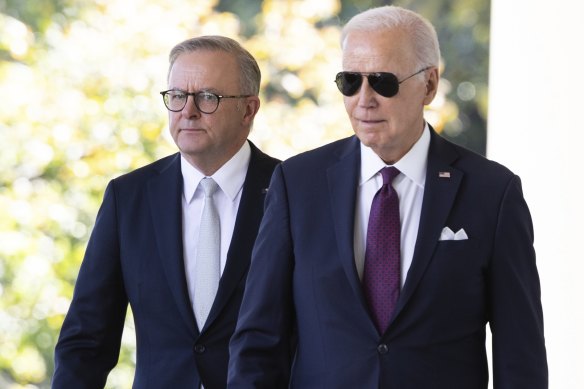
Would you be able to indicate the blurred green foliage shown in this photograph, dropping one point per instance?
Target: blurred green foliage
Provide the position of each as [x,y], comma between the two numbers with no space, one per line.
[79,81]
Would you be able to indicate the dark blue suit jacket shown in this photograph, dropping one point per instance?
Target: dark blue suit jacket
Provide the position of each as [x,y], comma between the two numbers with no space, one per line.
[303,272]
[135,255]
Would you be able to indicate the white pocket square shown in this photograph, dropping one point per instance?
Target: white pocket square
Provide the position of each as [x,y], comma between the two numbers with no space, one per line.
[448,234]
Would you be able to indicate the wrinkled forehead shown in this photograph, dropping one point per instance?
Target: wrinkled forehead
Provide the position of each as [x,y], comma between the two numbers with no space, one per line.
[204,70]
[380,50]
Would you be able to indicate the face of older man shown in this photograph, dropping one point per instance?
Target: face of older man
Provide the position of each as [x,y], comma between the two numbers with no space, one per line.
[389,126]
[208,140]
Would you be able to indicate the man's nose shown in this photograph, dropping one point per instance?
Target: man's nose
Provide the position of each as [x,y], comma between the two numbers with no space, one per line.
[190,109]
[366,95]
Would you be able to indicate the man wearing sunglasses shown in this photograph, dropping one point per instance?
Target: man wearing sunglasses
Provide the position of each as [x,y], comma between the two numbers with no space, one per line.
[174,239]
[389,252]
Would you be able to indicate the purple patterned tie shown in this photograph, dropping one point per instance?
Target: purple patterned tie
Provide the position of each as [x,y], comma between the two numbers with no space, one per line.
[381,274]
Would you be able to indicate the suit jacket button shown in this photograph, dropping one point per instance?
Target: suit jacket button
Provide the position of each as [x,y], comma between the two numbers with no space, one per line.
[382,349]
[199,348]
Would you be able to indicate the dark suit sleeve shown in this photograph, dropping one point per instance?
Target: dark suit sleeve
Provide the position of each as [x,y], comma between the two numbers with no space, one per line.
[260,349]
[89,343]
[516,319]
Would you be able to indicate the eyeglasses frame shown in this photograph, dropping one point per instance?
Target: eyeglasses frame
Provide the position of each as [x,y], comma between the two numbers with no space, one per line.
[194,95]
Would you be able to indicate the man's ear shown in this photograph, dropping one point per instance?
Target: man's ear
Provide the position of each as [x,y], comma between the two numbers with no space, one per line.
[431,85]
[250,109]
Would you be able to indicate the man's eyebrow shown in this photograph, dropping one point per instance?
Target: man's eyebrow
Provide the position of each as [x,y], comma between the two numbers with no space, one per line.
[210,90]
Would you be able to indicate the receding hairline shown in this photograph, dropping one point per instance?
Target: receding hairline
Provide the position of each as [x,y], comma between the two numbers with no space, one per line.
[249,71]
[209,43]
[180,54]
[421,33]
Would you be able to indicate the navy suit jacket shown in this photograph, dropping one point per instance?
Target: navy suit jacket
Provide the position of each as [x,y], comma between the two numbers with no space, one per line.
[303,274]
[135,255]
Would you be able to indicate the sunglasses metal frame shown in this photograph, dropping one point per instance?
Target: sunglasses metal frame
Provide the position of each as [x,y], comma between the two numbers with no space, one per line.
[376,81]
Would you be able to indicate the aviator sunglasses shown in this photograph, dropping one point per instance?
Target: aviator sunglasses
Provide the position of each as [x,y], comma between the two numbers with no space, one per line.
[386,84]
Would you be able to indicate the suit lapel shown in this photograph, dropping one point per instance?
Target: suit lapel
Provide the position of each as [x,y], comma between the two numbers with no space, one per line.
[439,194]
[165,193]
[249,216]
[343,181]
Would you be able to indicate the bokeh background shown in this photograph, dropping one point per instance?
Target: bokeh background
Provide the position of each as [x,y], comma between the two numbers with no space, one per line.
[79,83]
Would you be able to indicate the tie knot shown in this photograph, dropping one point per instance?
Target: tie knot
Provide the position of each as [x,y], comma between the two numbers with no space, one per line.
[388,174]
[209,186]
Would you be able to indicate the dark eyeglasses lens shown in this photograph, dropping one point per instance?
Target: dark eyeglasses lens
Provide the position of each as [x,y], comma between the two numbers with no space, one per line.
[386,84]
[348,83]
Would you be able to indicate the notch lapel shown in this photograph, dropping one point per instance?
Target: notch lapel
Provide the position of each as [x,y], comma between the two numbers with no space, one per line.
[343,181]
[165,194]
[439,195]
[249,216]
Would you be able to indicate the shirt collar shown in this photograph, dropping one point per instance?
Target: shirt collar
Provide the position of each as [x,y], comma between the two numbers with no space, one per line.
[229,177]
[412,165]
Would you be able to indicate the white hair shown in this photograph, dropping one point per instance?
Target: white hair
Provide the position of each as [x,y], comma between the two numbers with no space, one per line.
[423,35]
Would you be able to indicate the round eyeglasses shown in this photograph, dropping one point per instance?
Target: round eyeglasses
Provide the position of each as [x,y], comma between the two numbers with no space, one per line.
[386,84]
[206,102]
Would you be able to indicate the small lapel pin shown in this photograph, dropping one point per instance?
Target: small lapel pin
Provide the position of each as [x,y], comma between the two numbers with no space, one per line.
[265,190]
[444,174]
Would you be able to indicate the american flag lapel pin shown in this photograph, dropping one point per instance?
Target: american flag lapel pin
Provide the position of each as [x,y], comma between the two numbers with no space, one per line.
[444,174]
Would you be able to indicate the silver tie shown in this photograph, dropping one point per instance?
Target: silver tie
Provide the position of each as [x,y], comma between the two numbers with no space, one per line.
[207,265]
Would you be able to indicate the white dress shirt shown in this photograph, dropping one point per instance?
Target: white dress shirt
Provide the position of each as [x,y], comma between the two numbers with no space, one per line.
[409,186]
[230,178]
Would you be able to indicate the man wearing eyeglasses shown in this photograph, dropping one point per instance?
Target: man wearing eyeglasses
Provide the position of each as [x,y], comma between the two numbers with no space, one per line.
[391,251]
[173,239]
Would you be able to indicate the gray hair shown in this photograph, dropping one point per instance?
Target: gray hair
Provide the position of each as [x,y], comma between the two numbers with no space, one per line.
[250,75]
[422,33]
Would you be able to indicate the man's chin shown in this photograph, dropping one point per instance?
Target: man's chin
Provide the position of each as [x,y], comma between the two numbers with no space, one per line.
[367,138]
